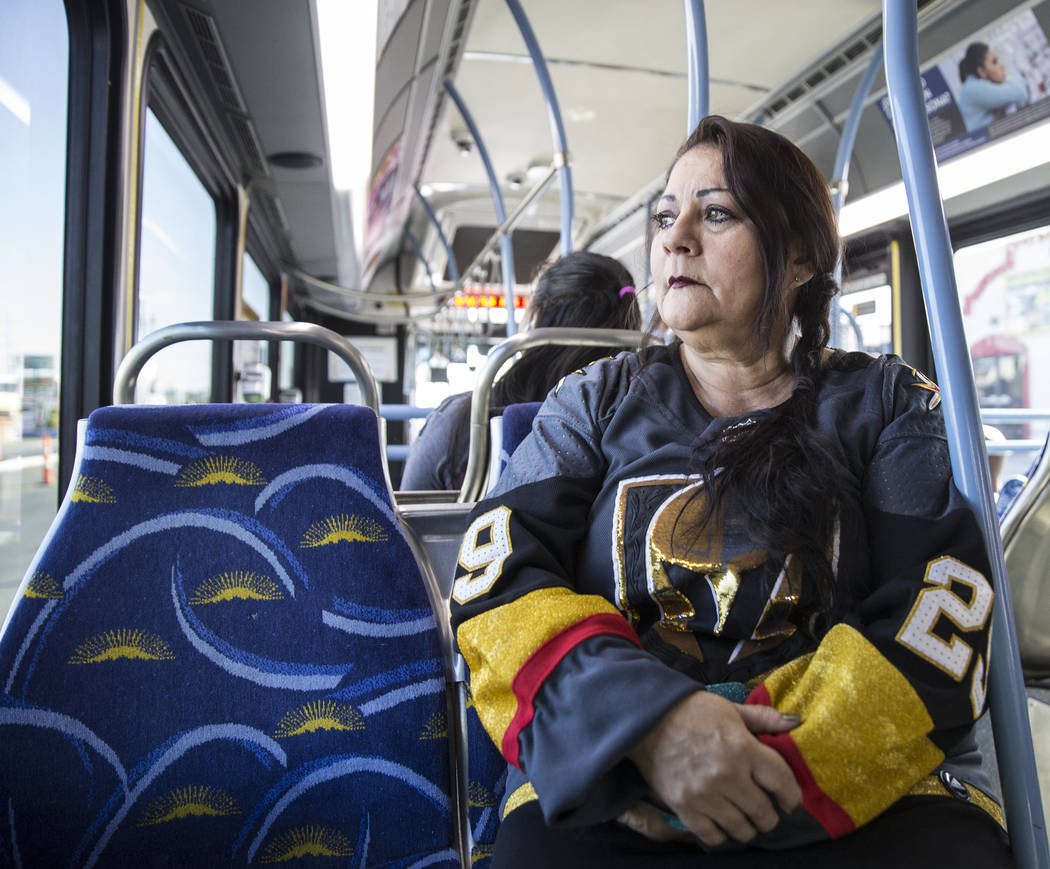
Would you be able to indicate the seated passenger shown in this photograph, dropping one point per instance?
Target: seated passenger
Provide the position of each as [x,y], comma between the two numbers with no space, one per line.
[726,597]
[580,289]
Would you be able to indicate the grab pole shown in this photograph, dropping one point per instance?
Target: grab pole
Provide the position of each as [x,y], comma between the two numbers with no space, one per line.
[506,249]
[561,147]
[840,173]
[453,268]
[696,57]
[1006,694]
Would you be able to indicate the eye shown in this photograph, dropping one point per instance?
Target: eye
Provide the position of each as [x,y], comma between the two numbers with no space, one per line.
[718,214]
[663,219]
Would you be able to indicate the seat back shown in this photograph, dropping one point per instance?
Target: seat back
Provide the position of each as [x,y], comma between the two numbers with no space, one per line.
[439,530]
[224,653]
[517,423]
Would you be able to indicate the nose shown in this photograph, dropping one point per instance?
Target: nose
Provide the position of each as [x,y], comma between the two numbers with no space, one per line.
[682,237]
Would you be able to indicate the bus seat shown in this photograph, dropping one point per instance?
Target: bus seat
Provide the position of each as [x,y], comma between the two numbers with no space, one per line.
[224,653]
[517,423]
[1012,486]
[439,530]
[1026,546]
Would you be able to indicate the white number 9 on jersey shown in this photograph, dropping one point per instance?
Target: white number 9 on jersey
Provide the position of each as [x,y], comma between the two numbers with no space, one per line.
[952,656]
[487,557]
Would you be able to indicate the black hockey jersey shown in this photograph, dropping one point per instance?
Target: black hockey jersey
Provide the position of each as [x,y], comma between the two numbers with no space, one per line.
[573,576]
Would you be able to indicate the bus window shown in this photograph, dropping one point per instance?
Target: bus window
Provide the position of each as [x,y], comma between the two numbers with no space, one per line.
[1004,290]
[32,217]
[251,358]
[176,271]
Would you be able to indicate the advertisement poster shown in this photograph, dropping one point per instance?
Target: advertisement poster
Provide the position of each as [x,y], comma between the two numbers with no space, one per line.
[988,87]
[380,199]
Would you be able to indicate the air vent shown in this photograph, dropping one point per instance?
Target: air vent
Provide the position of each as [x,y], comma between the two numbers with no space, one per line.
[821,73]
[207,35]
[453,55]
[275,216]
[250,143]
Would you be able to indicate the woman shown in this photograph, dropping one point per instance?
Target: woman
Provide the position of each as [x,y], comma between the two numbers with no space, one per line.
[580,289]
[748,513]
[985,92]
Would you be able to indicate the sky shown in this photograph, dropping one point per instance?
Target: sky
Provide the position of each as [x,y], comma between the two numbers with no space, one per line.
[32,180]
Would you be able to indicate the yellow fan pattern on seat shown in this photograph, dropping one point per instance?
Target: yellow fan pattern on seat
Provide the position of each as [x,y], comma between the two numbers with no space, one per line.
[319,715]
[45,586]
[481,851]
[311,840]
[436,727]
[93,490]
[122,643]
[342,528]
[192,801]
[478,796]
[213,470]
[236,585]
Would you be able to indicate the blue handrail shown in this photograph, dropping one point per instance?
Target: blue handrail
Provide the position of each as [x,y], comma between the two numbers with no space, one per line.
[840,172]
[696,55]
[561,146]
[453,268]
[1006,694]
[414,244]
[505,248]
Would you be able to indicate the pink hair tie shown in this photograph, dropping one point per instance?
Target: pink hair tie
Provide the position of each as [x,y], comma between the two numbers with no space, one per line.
[628,289]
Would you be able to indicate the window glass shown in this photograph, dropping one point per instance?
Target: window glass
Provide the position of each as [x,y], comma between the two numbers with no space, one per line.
[1004,291]
[865,310]
[33,102]
[176,270]
[251,358]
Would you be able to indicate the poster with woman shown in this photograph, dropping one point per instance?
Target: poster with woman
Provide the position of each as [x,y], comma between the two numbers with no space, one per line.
[992,84]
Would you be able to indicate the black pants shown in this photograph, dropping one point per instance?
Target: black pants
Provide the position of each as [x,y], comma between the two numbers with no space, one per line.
[915,833]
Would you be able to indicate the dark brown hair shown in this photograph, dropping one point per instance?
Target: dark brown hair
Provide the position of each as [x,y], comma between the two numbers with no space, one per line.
[578,289]
[778,470]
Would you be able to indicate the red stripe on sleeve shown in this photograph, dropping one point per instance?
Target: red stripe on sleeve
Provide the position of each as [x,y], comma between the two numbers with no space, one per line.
[542,662]
[829,814]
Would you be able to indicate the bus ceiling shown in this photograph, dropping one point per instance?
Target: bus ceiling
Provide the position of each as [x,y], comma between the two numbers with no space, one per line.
[417,194]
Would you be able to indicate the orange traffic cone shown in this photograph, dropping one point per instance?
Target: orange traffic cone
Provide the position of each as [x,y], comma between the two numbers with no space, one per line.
[49,474]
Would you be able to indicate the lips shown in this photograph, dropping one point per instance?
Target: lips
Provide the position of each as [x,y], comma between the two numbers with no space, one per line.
[677,282]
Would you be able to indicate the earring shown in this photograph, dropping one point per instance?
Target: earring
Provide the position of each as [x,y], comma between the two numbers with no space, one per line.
[797,279]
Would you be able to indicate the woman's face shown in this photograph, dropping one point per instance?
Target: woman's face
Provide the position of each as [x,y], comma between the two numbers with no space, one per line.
[992,68]
[708,271]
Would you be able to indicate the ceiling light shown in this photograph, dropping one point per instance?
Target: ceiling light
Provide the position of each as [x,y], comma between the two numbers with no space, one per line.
[347,37]
[971,171]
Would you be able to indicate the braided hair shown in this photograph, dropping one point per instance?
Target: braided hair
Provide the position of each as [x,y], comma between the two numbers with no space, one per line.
[777,470]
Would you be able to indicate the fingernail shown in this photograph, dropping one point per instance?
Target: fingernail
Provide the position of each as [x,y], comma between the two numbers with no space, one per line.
[791,717]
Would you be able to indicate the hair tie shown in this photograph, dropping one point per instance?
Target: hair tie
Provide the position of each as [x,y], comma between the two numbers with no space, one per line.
[625,290]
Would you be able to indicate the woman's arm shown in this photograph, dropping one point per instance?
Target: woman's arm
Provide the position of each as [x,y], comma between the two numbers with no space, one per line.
[558,677]
[438,457]
[892,688]
[989,95]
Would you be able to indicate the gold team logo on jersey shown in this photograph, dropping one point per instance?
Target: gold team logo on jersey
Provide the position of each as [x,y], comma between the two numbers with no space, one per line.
[694,575]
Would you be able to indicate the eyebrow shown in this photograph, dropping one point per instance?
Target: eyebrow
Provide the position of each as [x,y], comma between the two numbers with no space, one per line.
[699,194]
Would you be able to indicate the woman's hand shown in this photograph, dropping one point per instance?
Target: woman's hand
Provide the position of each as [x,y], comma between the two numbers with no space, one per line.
[704,763]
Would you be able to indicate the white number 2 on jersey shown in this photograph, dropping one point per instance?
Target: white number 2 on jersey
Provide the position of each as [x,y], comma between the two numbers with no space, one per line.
[489,555]
[953,656]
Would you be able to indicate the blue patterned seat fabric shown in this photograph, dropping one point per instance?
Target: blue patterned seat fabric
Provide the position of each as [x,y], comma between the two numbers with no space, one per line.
[225,655]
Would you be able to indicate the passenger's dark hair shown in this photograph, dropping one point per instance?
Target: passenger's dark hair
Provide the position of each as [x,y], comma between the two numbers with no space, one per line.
[579,289]
[777,470]
[973,60]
